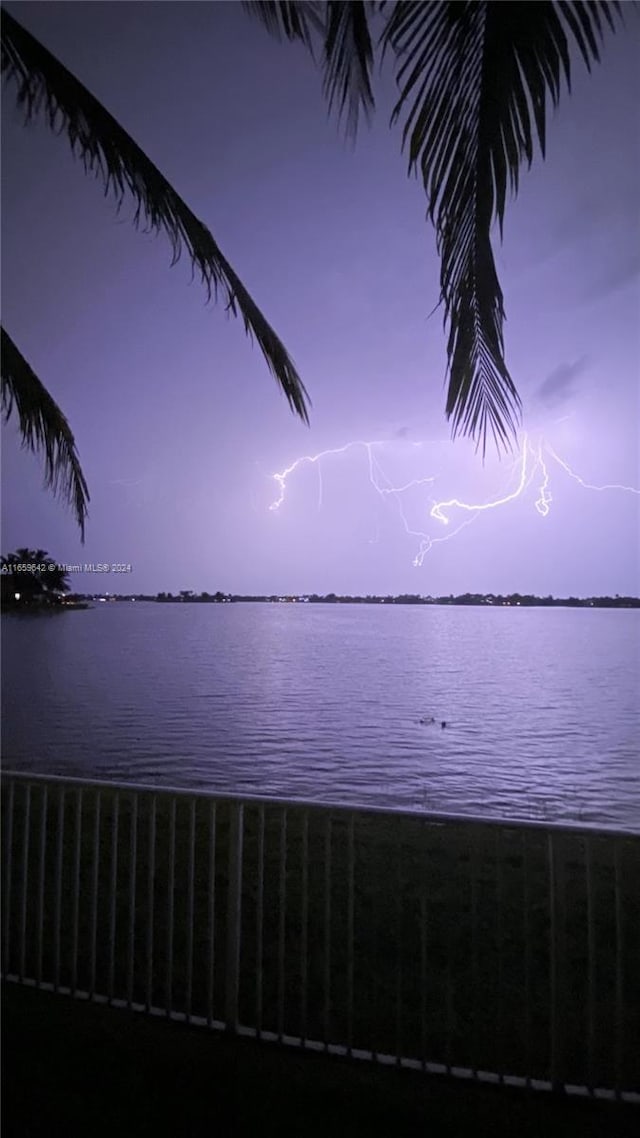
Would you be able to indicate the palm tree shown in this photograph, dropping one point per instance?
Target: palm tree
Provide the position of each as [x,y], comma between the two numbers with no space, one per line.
[45,89]
[50,579]
[31,577]
[475,80]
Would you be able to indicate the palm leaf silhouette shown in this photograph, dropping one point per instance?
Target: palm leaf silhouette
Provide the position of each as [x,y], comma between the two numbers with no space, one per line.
[46,89]
[348,61]
[294,21]
[43,427]
[346,48]
[475,79]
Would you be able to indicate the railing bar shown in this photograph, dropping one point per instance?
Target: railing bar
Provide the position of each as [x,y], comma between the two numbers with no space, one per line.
[133,867]
[526,925]
[327,933]
[190,904]
[350,929]
[304,927]
[6,899]
[234,917]
[282,916]
[151,880]
[76,892]
[376,1035]
[423,978]
[95,885]
[113,895]
[168,983]
[449,975]
[434,819]
[500,946]
[475,977]
[553,964]
[591,965]
[25,881]
[259,920]
[620,1006]
[57,907]
[211,915]
[41,883]
[399,954]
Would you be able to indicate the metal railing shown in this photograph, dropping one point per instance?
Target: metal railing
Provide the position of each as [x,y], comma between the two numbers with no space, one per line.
[502,951]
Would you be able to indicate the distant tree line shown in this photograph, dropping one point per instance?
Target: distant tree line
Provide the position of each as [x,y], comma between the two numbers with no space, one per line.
[32,579]
[492,600]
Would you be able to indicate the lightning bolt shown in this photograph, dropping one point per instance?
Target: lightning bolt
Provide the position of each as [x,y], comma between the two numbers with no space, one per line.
[281,478]
[542,503]
[589,485]
[531,463]
[438,507]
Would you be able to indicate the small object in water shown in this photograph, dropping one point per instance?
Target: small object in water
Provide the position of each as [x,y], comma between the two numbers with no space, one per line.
[427,721]
[443,724]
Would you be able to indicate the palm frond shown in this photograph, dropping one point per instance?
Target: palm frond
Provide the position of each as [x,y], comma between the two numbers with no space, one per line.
[43,427]
[348,61]
[45,88]
[474,81]
[291,19]
[342,29]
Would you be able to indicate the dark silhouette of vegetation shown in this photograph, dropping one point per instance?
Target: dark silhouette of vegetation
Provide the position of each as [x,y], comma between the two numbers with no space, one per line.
[43,427]
[494,600]
[30,579]
[474,82]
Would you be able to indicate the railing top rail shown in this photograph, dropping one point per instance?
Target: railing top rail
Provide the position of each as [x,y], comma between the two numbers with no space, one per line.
[320,806]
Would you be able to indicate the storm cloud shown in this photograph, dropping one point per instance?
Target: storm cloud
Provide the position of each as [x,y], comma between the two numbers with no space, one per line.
[561,383]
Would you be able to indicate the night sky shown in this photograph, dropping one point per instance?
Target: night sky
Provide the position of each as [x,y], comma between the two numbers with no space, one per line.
[178,422]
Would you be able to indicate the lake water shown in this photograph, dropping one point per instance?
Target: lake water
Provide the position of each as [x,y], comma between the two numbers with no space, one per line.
[323,702]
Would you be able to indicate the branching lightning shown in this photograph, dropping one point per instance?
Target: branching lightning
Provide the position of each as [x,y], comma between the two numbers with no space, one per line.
[532,463]
[543,502]
[589,485]
[281,478]
[438,507]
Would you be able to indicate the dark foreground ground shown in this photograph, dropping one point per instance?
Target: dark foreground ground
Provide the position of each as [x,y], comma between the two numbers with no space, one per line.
[78,1069]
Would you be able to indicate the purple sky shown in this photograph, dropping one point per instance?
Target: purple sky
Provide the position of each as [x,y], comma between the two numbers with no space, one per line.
[177,420]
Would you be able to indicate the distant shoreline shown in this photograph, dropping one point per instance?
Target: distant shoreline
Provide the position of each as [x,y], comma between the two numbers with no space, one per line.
[476,600]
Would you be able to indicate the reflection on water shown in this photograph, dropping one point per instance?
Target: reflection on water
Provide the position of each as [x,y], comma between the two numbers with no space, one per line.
[324,702]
